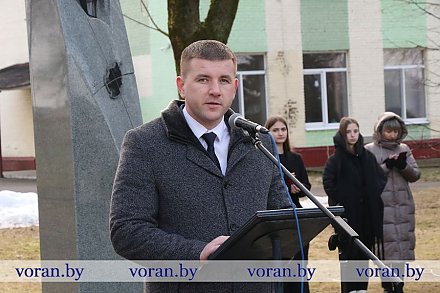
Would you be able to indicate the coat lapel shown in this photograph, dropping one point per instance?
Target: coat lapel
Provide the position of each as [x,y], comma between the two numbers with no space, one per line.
[239,147]
[178,130]
[201,159]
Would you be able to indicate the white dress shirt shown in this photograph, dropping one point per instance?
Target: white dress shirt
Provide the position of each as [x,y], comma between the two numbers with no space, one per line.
[221,142]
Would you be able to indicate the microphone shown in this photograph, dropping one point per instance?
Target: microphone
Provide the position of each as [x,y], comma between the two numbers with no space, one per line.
[238,121]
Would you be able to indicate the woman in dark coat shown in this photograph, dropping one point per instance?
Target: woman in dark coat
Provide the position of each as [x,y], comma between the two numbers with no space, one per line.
[293,162]
[277,125]
[352,178]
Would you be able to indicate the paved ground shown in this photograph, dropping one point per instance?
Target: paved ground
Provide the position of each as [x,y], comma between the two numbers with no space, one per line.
[18,185]
[20,181]
[25,181]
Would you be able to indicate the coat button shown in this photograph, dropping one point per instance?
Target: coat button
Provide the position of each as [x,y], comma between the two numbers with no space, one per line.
[225,185]
[233,227]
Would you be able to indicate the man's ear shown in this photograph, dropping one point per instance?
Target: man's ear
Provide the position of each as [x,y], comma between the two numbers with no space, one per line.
[180,86]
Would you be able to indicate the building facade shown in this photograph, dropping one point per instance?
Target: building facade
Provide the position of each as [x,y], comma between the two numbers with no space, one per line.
[311,61]
[16,124]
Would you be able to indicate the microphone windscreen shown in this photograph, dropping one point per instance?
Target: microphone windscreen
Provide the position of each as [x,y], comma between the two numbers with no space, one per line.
[232,120]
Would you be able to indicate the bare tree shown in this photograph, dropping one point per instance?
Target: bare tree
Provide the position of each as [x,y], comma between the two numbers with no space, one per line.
[185,26]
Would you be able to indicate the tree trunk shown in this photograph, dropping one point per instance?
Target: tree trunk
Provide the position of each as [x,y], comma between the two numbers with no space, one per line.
[185,27]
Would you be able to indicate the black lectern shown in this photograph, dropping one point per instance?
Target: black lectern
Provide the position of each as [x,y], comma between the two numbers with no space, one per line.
[273,234]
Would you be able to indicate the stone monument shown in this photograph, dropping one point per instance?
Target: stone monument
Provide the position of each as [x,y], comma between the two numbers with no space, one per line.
[84,100]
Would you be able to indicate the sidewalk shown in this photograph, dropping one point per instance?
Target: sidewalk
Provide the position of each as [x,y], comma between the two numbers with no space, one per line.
[19,181]
[25,181]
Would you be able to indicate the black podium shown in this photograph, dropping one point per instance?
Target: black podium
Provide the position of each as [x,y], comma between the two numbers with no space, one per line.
[273,234]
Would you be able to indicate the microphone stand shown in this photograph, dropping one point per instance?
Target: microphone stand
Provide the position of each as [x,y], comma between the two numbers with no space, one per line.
[336,221]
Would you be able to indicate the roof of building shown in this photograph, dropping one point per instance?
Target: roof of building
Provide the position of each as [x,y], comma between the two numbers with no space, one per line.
[14,76]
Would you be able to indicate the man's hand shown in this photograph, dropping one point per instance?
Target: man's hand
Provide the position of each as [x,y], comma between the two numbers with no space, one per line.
[212,246]
[294,189]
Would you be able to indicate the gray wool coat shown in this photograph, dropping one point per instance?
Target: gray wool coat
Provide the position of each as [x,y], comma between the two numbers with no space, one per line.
[169,199]
[399,209]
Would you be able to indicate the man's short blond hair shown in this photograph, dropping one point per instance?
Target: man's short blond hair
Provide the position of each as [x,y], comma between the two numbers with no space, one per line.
[208,50]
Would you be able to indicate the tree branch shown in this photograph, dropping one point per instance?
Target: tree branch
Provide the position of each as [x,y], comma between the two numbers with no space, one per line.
[151,19]
[155,27]
[419,4]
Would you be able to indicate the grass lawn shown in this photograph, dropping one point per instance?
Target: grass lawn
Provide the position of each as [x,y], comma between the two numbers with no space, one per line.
[427,245]
[20,244]
[23,243]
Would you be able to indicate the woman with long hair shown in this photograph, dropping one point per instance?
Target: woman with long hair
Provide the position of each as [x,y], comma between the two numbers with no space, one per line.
[293,162]
[352,178]
[277,125]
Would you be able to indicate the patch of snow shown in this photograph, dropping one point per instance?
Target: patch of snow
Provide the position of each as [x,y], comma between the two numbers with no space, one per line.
[18,209]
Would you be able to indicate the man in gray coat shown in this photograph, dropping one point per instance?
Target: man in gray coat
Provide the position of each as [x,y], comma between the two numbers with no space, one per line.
[172,199]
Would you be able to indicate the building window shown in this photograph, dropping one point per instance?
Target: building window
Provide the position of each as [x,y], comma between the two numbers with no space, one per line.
[404,83]
[325,89]
[250,100]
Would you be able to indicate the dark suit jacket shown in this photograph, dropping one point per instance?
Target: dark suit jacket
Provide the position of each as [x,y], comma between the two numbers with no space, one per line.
[169,198]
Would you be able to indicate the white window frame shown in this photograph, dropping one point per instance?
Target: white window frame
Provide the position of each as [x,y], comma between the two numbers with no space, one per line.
[324,125]
[402,69]
[240,90]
